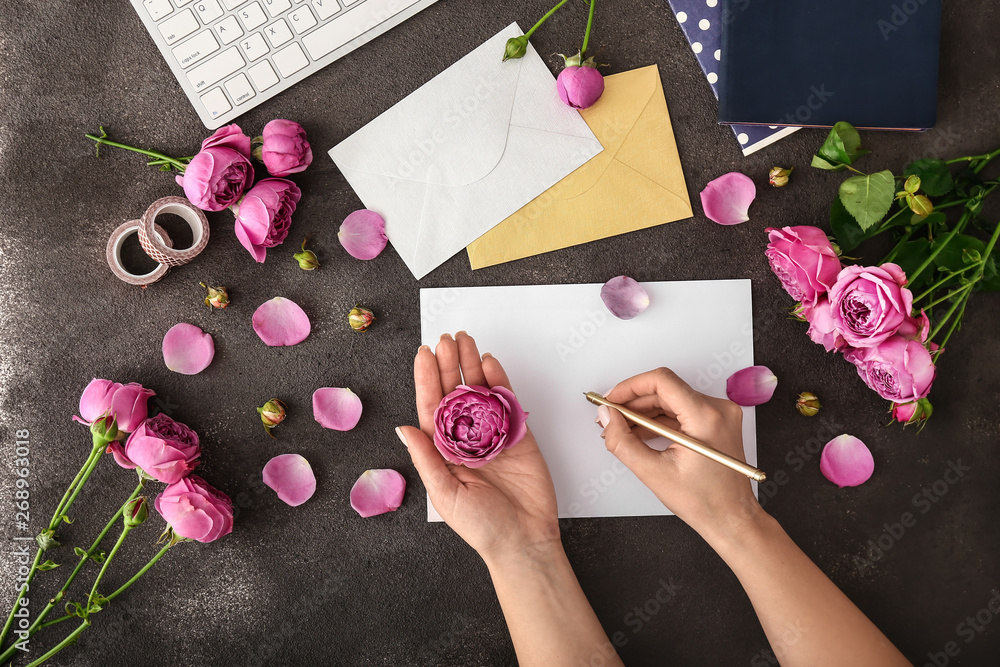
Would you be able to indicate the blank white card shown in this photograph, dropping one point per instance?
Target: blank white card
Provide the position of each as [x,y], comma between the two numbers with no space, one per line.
[558,341]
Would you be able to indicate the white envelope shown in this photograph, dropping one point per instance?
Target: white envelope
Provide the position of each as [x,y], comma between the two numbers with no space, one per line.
[467,149]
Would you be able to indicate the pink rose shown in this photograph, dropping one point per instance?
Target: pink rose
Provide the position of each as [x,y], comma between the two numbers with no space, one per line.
[580,87]
[195,510]
[285,150]
[217,176]
[164,449]
[804,261]
[821,326]
[127,404]
[869,303]
[900,370]
[230,136]
[472,425]
[265,214]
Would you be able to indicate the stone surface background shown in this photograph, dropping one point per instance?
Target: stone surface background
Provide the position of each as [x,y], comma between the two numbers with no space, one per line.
[318,585]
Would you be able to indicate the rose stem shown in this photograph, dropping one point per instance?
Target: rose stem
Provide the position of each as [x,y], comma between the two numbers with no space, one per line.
[544,18]
[126,529]
[63,644]
[586,35]
[159,156]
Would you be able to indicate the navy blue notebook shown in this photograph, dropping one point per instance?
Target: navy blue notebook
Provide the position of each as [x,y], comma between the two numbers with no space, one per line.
[872,63]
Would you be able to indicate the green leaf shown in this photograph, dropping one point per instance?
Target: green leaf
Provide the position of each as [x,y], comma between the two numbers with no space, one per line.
[841,145]
[991,278]
[935,178]
[47,540]
[954,255]
[66,519]
[917,220]
[98,557]
[820,163]
[920,205]
[845,228]
[910,256]
[868,198]
[912,184]
[48,565]
[79,552]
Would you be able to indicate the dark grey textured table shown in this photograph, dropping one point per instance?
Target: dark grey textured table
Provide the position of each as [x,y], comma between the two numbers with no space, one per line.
[318,585]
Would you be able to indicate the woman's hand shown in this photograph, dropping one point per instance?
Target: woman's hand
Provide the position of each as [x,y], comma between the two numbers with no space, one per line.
[504,509]
[709,497]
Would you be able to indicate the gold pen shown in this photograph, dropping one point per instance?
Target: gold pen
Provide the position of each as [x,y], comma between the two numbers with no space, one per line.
[680,438]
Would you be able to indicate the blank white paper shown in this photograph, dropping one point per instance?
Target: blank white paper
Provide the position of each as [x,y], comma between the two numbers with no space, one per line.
[557,342]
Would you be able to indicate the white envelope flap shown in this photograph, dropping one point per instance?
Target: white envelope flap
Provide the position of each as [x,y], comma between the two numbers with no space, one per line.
[451,131]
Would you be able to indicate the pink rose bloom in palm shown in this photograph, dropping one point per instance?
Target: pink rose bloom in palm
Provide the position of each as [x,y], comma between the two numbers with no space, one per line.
[804,261]
[472,425]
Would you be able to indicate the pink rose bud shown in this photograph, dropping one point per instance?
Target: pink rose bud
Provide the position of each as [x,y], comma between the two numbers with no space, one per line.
[265,214]
[360,318]
[285,149]
[195,511]
[472,425]
[307,258]
[751,386]
[804,261]
[271,414]
[217,176]
[778,176]
[135,512]
[807,404]
[162,448]
[913,412]
[217,297]
[580,86]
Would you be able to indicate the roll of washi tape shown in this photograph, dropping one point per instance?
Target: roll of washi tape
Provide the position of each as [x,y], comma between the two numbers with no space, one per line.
[114,254]
[195,218]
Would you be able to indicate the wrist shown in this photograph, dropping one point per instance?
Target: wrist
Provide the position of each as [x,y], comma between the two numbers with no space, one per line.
[544,556]
[740,530]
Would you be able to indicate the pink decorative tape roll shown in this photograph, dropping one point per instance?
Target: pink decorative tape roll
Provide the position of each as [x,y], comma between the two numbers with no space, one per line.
[159,251]
[114,254]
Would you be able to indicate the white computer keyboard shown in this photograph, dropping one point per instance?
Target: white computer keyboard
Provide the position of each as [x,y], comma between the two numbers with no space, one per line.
[231,55]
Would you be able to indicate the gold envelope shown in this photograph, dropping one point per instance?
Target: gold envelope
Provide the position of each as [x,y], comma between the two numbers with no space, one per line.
[634,183]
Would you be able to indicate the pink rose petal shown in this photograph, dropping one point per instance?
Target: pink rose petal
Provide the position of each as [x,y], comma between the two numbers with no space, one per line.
[281,322]
[624,297]
[291,477]
[378,492]
[751,386]
[727,199]
[363,234]
[336,408]
[187,349]
[846,461]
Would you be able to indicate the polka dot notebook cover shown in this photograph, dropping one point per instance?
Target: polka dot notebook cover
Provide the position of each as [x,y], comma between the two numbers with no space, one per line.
[701,21]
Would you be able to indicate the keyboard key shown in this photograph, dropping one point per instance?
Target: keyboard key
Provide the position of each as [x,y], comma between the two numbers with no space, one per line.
[349,2]
[290,60]
[253,47]
[263,75]
[252,16]
[275,7]
[228,29]
[240,89]
[196,48]
[278,33]
[181,3]
[178,27]
[215,102]
[302,19]
[157,8]
[335,34]
[216,69]
[326,8]
[208,10]
[233,4]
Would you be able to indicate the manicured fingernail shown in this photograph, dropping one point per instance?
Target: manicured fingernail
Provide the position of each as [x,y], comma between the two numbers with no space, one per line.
[402,438]
[487,355]
[602,435]
[461,333]
[446,336]
[603,415]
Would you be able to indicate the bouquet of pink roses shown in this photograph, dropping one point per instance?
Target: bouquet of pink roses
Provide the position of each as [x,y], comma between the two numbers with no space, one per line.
[891,320]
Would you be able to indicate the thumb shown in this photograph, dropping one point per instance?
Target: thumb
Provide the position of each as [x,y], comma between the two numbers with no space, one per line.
[630,449]
[434,472]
